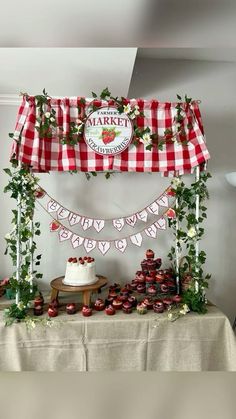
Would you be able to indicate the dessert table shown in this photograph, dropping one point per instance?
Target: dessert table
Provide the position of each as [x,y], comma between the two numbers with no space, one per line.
[124,342]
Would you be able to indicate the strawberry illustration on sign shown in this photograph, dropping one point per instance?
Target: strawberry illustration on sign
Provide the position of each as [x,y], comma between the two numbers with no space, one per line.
[54,226]
[107,131]
[108,135]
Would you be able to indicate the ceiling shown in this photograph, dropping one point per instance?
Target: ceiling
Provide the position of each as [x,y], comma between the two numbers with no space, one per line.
[103,23]
[66,71]
[205,54]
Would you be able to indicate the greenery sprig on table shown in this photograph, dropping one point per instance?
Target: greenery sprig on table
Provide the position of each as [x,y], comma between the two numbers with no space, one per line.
[188,230]
[22,184]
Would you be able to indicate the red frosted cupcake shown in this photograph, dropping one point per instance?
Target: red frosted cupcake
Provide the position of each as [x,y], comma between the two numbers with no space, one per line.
[71,308]
[86,311]
[141,308]
[167,302]
[132,300]
[127,307]
[148,302]
[151,265]
[117,304]
[141,279]
[38,301]
[38,310]
[150,279]
[52,311]
[164,288]
[112,294]
[122,297]
[133,285]
[144,265]
[158,306]
[158,263]
[177,299]
[141,288]
[99,304]
[150,254]
[152,290]
[110,311]
[160,276]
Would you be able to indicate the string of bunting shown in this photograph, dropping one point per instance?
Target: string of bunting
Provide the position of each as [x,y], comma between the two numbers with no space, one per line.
[63,213]
[105,245]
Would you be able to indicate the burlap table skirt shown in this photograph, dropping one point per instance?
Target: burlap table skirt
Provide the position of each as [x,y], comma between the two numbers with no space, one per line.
[122,342]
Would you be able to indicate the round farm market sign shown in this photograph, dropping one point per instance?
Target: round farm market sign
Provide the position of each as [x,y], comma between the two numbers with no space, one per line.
[107,131]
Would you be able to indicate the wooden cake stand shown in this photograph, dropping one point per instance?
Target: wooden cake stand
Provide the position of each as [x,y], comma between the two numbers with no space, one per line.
[87,290]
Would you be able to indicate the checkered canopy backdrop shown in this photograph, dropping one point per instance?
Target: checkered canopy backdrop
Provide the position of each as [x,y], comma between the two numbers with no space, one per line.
[47,154]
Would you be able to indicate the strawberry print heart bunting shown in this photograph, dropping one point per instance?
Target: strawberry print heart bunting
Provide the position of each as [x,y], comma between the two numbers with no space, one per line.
[54,226]
[39,193]
[171,213]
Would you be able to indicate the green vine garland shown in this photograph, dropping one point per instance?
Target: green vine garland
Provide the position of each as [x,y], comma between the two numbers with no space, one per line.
[190,231]
[23,184]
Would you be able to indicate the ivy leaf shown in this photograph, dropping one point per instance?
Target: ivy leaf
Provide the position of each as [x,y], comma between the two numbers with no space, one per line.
[94,95]
[7,171]
[179,97]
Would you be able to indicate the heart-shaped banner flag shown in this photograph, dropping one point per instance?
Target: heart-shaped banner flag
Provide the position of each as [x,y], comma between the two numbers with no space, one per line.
[54,226]
[39,193]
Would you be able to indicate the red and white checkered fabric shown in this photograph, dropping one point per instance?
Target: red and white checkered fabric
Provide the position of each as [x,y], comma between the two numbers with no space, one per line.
[47,154]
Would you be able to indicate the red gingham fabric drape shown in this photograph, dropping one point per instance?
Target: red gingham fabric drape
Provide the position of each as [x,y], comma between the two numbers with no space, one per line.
[48,154]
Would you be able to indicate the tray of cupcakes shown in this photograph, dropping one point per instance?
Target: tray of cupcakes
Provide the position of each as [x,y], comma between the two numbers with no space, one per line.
[152,288]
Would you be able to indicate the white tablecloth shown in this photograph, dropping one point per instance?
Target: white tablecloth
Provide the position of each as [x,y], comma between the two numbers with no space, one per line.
[121,342]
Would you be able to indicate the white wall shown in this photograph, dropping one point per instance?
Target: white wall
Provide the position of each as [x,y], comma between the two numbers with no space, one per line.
[215,84]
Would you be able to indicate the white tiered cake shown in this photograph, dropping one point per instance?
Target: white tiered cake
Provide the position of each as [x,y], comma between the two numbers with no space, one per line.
[80,272]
